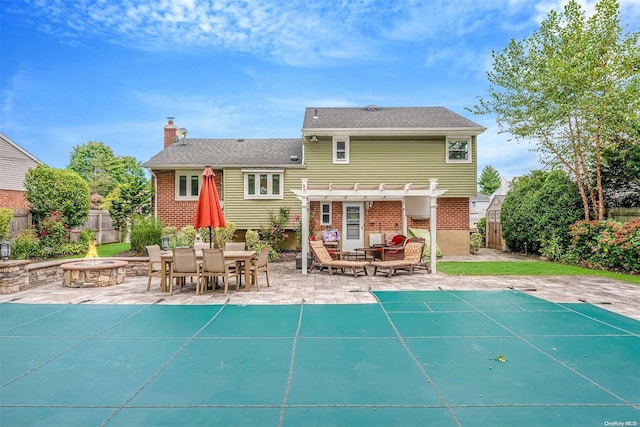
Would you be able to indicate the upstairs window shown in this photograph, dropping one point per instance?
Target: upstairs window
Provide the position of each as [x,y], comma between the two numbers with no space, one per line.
[187,185]
[459,150]
[340,149]
[263,184]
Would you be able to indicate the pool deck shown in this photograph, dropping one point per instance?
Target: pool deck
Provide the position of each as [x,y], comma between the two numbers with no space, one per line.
[289,286]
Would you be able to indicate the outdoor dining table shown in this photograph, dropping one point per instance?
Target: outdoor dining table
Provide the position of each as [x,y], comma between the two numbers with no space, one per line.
[166,259]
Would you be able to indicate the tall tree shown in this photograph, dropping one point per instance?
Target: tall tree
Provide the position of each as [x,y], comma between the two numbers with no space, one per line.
[57,191]
[489,180]
[96,163]
[571,88]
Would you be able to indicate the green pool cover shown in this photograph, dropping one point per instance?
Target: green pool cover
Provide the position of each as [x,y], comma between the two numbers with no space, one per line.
[427,358]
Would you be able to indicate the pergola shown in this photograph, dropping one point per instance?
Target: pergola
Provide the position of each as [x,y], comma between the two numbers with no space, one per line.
[368,193]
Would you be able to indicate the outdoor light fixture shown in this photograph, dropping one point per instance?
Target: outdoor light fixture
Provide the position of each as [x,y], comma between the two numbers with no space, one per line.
[314,138]
[165,243]
[5,250]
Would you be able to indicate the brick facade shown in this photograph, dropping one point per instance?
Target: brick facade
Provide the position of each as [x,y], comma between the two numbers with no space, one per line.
[13,199]
[176,213]
[453,214]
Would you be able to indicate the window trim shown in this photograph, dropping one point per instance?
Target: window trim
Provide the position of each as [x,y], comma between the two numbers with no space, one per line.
[329,213]
[336,139]
[466,139]
[189,173]
[270,173]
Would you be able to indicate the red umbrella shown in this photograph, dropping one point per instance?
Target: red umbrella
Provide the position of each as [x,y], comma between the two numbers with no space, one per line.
[209,213]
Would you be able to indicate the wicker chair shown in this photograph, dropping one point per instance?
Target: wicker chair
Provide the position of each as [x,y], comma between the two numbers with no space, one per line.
[412,258]
[322,258]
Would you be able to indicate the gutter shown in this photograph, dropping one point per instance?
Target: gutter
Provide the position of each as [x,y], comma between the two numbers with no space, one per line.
[155,195]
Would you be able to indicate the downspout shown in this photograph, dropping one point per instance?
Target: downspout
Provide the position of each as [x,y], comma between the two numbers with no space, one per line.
[155,195]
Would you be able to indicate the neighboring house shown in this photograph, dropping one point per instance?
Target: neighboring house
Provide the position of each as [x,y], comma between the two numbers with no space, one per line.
[367,172]
[477,210]
[15,161]
[478,205]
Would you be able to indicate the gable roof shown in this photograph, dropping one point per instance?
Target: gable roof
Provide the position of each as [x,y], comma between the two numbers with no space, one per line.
[219,153]
[410,120]
[19,148]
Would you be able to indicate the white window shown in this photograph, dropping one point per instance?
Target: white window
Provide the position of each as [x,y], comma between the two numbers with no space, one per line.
[458,150]
[340,149]
[188,184]
[263,184]
[325,213]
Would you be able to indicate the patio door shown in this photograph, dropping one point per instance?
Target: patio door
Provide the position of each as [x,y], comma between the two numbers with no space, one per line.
[352,226]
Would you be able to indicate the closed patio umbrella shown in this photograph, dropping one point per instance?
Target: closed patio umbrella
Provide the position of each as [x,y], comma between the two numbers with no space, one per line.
[209,213]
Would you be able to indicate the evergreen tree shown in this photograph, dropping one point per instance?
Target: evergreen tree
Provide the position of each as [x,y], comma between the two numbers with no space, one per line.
[489,180]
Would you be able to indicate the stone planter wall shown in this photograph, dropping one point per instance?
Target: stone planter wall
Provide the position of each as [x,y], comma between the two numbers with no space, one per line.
[16,276]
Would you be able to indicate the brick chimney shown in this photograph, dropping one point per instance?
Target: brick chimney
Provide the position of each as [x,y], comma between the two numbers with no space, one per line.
[169,132]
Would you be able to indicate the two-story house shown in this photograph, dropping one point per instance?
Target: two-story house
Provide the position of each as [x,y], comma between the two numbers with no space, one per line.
[15,162]
[367,172]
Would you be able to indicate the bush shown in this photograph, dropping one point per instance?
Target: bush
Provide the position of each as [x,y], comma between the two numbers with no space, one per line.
[224,235]
[275,233]
[607,244]
[252,240]
[6,216]
[145,231]
[25,245]
[475,242]
[540,208]
[482,227]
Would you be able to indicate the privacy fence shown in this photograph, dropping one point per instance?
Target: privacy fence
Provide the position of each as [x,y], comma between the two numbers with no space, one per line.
[98,220]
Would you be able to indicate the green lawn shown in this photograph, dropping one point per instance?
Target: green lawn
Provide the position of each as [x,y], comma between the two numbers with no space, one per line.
[111,249]
[526,268]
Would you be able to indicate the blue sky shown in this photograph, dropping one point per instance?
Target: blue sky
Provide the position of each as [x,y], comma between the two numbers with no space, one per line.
[113,70]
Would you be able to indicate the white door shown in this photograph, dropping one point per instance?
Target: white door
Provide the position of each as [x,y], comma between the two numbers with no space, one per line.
[352,226]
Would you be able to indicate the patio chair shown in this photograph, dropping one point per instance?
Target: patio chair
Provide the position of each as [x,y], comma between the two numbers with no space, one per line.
[235,246]
[412,258]
[261,264]
[322,258]
[153,269]
[392,249]
[184,265]
[214,265]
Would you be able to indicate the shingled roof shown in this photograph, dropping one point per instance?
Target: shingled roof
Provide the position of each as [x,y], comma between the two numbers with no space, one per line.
[374,117]
[219,153]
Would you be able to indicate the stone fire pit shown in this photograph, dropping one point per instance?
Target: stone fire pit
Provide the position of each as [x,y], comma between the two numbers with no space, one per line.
[93,273]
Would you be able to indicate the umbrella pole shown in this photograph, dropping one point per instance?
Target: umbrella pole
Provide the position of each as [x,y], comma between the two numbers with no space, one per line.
[210,241]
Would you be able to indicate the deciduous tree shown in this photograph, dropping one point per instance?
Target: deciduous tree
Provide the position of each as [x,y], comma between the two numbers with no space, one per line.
[571,88]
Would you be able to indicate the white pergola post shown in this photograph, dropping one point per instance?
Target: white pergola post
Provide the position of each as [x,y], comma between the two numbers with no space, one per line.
[404,217]
[433,183]
[304,204]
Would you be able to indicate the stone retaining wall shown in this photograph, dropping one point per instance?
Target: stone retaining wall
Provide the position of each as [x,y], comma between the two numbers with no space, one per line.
[16,276]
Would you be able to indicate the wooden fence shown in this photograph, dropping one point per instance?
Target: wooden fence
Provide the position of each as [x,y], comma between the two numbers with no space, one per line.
[623,214]
[98,220]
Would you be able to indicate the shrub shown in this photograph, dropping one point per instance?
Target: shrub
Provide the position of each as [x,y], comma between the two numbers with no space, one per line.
[252,240]
[6,216]
[275,233]
[224,235]
[25,245]
[145,231]
[607,244]
[475,242]
[540,207]
[87,235]
[52,236]
[482,227]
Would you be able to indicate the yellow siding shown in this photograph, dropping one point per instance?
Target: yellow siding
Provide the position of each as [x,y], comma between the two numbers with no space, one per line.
[252,214]
[392,162]
[389,161]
